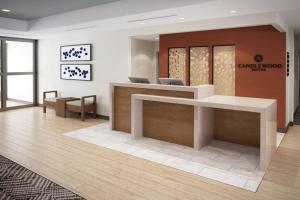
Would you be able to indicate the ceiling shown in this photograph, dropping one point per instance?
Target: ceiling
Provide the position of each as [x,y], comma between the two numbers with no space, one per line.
[143,17]
[34,9]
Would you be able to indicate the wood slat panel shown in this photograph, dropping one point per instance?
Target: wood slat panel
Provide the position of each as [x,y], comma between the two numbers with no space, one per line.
[237,127]
[122,103]
[169,122]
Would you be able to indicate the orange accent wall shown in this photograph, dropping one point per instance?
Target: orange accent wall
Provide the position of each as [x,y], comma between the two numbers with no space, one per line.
[249,41]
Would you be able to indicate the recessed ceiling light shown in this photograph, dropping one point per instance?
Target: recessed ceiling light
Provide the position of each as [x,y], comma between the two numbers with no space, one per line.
[5,10]
[142,23]
[181,18]
[233,11]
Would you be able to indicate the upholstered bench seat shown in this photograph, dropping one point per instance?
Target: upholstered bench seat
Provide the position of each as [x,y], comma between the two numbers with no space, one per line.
[51,99]
[78,103]
[83,105]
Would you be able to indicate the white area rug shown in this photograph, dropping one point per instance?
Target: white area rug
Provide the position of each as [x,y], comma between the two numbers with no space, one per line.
[228,163]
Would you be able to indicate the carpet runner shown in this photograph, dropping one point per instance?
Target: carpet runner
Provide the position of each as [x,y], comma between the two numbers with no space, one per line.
[17,182]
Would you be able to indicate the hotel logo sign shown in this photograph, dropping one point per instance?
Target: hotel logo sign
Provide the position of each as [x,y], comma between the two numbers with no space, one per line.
[259,66]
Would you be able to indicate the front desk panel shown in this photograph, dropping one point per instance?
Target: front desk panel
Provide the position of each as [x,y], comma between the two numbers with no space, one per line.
[238,127]
[169,122]
[122,103]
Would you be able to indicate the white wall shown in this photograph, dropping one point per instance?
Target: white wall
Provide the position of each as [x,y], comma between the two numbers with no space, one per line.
[290,91]
[110,62]
[144,59]
[297,71]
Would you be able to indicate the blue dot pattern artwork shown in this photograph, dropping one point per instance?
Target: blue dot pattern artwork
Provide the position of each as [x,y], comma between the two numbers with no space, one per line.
[76,72]
[79,52]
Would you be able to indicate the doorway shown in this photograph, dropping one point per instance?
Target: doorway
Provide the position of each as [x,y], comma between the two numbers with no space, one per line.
[17,73]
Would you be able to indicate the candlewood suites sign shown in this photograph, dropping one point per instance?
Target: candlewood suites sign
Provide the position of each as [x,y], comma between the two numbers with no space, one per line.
[260,66]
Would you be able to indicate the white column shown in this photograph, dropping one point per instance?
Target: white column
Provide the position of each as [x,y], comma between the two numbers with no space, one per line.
[136,118]
[268,134]
[204,129]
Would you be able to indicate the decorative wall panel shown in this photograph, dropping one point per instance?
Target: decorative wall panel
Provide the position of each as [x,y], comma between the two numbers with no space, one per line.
[177,63]
[199,67]
[224,70]
[82,72]
[80,52]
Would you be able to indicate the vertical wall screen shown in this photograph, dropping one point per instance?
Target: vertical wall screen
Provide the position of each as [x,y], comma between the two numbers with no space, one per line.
[199,67]
[177,63]
[224,70]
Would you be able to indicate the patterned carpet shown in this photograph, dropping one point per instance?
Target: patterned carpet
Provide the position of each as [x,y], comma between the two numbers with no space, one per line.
[17,182]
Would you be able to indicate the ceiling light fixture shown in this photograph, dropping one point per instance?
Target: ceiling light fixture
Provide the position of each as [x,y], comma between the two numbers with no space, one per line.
[5,10]
[181,18]
[151,18]
[81,28]
[233,11]
[142,23]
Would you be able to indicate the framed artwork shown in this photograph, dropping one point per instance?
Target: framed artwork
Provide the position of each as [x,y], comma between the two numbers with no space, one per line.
[80,52]
[82,72]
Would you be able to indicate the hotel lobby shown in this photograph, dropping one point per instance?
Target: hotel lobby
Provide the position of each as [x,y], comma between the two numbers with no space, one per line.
[136,99]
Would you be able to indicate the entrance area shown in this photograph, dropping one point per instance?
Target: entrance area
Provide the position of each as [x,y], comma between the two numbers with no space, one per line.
[17,73]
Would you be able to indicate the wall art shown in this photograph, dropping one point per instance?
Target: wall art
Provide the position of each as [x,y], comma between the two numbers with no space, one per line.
[81,52]
[82,72]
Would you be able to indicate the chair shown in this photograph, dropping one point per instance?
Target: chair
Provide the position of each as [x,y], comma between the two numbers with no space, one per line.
[49,102]
[83,105]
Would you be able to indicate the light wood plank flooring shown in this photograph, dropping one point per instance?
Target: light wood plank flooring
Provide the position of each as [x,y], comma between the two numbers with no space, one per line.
[35,140]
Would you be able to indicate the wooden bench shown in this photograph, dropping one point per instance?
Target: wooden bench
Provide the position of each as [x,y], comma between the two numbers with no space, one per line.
[83,105]
[49,101]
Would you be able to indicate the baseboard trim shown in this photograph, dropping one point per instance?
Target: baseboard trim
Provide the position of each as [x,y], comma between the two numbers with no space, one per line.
[285,130]
[282,130]
[104,117]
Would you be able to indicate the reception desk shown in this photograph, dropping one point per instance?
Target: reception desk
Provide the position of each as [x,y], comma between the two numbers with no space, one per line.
[242,120]
[193,116]
[160,117]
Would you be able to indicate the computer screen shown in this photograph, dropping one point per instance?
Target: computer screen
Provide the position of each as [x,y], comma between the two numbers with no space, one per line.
[170,81]
[138,80]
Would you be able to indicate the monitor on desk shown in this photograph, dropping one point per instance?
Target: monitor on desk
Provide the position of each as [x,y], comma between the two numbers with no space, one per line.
[170,81]
[138,80]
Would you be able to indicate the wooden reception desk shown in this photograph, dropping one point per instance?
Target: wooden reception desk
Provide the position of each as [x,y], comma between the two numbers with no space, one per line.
[242,120]
[160,116]
[192,116]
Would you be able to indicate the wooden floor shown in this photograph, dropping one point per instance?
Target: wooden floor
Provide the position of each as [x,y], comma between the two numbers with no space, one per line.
[35,140]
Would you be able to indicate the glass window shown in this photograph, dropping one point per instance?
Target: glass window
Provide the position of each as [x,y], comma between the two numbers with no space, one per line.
[19,90]
[19,56]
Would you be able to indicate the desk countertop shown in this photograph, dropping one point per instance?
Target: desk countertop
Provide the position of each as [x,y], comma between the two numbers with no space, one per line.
[234,101]
[162,87]
[216,101]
